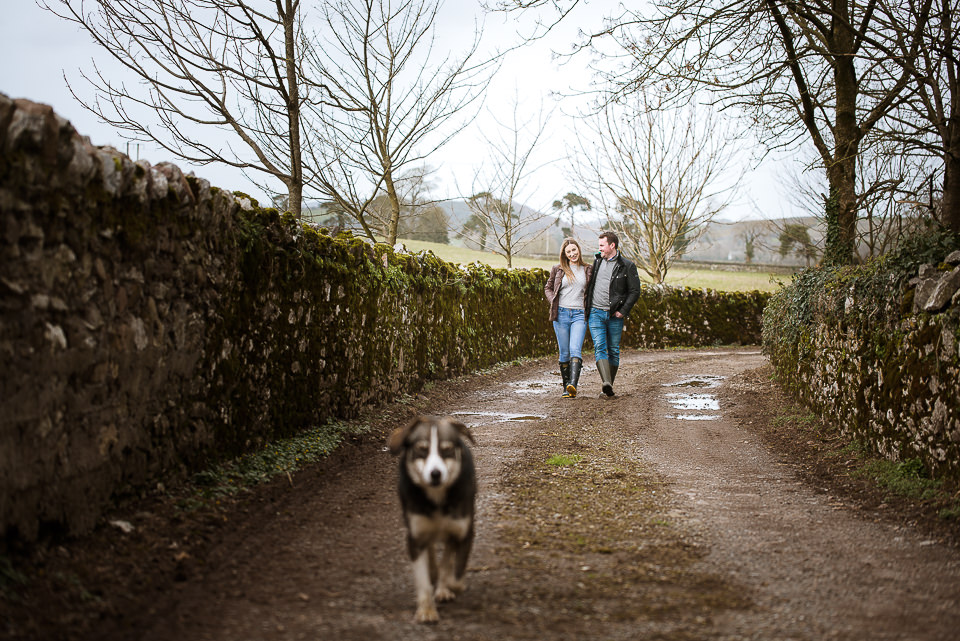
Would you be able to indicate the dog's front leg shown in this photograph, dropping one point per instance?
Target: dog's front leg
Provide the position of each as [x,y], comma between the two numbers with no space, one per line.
[449,585]
[426,606]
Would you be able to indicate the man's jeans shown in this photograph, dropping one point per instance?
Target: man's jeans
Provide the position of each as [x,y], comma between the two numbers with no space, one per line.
[570,328]
[605,333]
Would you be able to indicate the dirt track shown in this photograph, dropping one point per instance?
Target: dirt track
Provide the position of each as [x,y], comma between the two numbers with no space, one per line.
[668,524]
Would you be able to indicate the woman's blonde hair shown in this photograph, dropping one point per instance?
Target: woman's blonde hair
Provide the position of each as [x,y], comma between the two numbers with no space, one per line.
[565,262]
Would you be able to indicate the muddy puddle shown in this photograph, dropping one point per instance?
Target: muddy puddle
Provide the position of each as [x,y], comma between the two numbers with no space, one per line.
[477,418]
[695,406]
[543,384]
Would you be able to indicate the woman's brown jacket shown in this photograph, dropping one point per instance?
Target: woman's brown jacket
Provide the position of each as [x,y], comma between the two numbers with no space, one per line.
[551,290]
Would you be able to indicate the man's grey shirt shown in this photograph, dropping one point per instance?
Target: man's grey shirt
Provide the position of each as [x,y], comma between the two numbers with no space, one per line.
[601,290]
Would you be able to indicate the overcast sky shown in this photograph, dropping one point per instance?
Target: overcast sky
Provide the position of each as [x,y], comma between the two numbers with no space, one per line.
[38,49]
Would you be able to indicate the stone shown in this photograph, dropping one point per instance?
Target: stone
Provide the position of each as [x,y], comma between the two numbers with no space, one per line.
[124,526]
[177,182]
[924,291]
[56,336]
[158,184]
[943,291]
[953,258]
[244,203]
[32,127]
[111,176]
[140,338]
[82,166]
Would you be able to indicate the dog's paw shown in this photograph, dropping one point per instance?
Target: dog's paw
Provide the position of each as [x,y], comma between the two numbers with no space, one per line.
[426,613]
[444,594]
[447,590]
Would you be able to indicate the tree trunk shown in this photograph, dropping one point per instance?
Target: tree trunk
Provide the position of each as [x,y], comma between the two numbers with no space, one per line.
[841,209]
[508,237]
[394,222]
[295,198]
[295,186]
[950,204]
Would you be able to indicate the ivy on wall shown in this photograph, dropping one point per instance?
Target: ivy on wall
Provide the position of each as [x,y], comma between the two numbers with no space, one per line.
[850,343]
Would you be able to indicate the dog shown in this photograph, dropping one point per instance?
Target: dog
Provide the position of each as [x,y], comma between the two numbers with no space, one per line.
[437,485]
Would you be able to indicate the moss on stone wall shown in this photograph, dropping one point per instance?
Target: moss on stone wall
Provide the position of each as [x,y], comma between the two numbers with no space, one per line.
[669,317]
[852,344]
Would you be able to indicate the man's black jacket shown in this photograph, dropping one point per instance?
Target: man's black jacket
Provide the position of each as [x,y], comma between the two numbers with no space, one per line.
[624,285]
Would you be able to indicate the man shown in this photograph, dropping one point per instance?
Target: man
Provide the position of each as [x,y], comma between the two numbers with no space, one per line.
[612,291]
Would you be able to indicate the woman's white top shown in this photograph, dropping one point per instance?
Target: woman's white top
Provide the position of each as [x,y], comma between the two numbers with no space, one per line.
[571,290]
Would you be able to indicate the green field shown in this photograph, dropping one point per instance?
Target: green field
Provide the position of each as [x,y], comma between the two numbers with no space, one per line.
[677,277]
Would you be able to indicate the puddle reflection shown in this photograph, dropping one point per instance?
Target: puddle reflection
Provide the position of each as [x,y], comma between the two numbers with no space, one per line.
[498,417]
[700,380]
[689,401]
[693,401]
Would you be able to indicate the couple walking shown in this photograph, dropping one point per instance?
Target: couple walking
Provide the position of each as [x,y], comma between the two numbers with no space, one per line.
[599,296]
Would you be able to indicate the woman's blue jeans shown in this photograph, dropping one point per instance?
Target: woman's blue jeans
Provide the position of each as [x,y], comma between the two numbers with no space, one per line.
[605,333]
[570,328]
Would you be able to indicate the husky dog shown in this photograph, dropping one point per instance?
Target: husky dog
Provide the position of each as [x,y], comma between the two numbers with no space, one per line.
[437,486]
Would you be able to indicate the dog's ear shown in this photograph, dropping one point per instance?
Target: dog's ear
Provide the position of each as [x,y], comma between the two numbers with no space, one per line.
[463,429]
[399,436]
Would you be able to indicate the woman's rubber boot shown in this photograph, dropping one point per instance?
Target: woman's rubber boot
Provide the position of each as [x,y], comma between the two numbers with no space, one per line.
[565,375]
[603,366]
[574,380]
[613,373]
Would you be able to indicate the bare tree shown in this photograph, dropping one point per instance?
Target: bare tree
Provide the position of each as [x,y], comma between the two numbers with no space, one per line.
[229,65]
[392,100]
[497,209]
[420,216]
[889,185]
[411,187]
[928,121]
[798,70]
[486,213]
[888,189]
[657,174]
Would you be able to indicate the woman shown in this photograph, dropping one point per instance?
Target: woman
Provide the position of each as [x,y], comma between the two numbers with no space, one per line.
[565,291]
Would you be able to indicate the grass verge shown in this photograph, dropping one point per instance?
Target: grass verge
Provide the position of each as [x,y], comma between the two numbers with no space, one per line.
[281,457]
[880,481]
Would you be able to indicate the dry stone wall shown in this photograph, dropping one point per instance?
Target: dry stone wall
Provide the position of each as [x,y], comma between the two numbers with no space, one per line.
[688,317]
[151,324]
[876,349]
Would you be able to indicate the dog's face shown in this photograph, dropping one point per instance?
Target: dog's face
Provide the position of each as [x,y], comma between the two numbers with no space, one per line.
[432,450]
